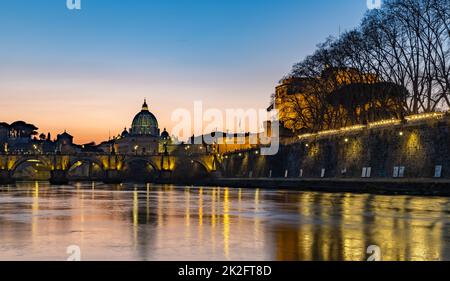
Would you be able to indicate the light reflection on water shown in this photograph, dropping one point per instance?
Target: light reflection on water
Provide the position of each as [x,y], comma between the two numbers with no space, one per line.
[138,222]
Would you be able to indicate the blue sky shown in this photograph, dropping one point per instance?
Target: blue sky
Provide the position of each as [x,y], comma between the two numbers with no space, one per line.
[100,62]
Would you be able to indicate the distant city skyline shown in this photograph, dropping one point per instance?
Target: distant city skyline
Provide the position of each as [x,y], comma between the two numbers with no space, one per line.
[89,71]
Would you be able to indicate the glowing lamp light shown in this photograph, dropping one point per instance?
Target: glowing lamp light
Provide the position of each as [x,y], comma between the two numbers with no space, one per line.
[401,134]
[346,140]
[381,123]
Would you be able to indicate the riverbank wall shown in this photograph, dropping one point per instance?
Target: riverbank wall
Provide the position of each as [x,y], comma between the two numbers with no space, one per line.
[416,148]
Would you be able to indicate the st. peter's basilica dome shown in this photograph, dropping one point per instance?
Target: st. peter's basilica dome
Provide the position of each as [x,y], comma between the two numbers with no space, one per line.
[145,123]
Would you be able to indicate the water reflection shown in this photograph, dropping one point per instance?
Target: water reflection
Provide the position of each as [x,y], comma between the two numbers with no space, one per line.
[38,222]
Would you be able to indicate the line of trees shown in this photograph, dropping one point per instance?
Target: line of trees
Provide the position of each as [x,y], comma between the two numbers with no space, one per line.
[406,43]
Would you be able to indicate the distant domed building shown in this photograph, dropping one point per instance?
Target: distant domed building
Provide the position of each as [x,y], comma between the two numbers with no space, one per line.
[144,135]
[144,123]
[165,135]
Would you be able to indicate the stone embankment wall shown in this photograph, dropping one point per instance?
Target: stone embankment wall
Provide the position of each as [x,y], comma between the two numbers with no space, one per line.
[413,149]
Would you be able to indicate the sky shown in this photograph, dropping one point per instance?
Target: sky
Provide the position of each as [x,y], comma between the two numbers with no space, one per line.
[88,71]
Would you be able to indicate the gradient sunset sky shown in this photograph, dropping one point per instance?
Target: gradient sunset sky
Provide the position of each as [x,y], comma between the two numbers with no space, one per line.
[88,71]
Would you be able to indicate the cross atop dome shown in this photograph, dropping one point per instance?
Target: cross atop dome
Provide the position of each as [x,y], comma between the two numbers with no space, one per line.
[145,106]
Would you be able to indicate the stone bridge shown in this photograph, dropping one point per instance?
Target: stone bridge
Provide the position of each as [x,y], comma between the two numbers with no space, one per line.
[111,168]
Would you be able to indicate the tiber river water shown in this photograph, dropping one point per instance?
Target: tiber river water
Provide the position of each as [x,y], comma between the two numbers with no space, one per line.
[139,222]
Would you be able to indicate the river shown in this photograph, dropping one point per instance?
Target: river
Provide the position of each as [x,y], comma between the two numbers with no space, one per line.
[151,222]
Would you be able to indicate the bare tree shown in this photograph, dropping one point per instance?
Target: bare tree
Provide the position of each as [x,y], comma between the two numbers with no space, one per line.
[405,45]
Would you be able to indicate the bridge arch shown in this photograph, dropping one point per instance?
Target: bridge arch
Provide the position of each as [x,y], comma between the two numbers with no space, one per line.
[85,168]
[75,161]
[140,169]
[130,160]
[191,169]
[201,163]
[34,168]
[32,159]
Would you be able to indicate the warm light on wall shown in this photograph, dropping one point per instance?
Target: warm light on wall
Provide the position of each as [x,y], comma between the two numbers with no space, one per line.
[413,147]
[382,123]
[314,150]
[385,123]
[166,163]
[333,132]
[434,115]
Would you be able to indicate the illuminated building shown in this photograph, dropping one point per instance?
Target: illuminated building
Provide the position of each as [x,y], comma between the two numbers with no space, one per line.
[17,136]
[297,98]
[142,138]
[4,131]
[64,143]
[221,143]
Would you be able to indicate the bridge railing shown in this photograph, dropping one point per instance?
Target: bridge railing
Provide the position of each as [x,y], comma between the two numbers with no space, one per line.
[97,154]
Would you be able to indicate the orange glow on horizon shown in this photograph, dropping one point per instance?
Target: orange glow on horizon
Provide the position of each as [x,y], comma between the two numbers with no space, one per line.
[92,104]
[88,123]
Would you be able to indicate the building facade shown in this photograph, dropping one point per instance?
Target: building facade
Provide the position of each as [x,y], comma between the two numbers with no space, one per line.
[339,97]
[144,136]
